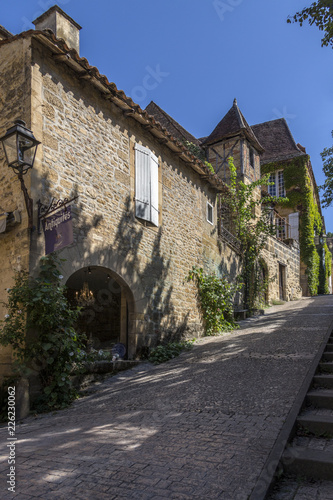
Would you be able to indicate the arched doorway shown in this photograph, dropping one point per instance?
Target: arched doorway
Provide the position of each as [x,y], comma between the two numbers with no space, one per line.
[103,298]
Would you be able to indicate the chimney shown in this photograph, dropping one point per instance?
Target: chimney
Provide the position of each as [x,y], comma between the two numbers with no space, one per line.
[62,26]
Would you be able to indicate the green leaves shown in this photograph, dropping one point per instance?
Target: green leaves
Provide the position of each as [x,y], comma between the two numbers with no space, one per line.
[327,187]
[320,14]
[252,226]
[163,353]
[40,328]
[216,296]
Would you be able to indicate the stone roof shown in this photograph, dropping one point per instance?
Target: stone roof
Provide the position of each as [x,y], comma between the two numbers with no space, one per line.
[277,141]
[170,124]
[233,124]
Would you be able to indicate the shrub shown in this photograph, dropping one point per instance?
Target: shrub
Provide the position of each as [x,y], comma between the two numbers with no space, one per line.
[39,325]
[163,353]
[216,296]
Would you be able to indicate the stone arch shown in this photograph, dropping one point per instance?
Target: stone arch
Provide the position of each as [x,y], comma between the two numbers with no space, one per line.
[133,302]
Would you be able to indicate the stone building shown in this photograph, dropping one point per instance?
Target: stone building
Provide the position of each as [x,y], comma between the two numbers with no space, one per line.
[234,137]
[143,208]
[292,176]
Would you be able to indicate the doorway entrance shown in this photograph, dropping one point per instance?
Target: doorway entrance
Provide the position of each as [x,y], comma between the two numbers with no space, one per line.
[282,280]
[104,314]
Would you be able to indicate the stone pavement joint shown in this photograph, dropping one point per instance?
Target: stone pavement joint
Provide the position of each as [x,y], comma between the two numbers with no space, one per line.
[200,426]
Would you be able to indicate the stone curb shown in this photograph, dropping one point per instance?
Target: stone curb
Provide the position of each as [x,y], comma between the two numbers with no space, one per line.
[267,478]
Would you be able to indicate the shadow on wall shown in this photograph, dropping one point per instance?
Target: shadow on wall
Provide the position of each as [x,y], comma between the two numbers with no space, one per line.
[134,257]
[158,320]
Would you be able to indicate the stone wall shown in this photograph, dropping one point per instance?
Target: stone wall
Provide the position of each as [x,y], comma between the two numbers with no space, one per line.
[15,104]
[88,149]
[287,256]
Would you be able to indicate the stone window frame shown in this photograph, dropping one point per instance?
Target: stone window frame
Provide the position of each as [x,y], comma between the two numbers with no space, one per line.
[210,213]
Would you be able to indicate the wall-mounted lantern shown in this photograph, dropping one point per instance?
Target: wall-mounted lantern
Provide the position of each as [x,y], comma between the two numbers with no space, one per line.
[20,148]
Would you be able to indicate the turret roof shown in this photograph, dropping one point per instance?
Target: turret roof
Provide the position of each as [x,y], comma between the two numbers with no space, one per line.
[233,124]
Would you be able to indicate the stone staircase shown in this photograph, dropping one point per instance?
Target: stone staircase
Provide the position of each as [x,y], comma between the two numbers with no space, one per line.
[310,453]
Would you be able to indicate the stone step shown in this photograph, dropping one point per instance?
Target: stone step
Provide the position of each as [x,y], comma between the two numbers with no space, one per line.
[308,462]
[323,381]
[319,425]
[329,347]
[326,367]
[320,398]
[327,356]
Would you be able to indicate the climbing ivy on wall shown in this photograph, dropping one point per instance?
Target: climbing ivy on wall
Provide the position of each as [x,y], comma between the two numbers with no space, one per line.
[325,263]
[300,196]
[252,229]
[199,153]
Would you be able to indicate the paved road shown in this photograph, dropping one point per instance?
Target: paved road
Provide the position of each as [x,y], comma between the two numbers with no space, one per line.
[198,427]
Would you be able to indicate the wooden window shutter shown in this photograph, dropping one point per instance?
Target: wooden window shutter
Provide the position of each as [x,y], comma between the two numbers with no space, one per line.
[154,189]
[142,182]
[146,185]
[293,225]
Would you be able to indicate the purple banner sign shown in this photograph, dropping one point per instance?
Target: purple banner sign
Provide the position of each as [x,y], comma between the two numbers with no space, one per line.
[58,230]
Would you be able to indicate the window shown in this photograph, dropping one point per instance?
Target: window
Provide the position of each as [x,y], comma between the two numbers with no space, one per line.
[277,188]
[280,228]
[210,213]
[146,185]
[293,220]
[251,155]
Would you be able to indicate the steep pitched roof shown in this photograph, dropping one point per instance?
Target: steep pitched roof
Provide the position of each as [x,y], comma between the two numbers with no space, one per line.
[232,124]
[170,124]
[277,140]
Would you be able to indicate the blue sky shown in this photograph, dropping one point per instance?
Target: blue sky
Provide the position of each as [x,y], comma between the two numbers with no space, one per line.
[193,57]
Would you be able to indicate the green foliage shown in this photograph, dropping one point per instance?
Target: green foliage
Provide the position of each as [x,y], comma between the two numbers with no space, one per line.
[329,234]
[216,297]
[300,196]
[252,227]
[327,187]
[200,154]
[39,327]
[277,302]
[320,14]
[325,267]
[195,150]
[328,261]
[163,353]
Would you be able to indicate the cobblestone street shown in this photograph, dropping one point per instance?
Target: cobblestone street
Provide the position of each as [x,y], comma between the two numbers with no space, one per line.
[200,426]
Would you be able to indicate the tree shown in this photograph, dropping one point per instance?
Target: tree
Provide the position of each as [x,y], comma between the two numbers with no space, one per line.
[327,187]
[319,13]
[252,229]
